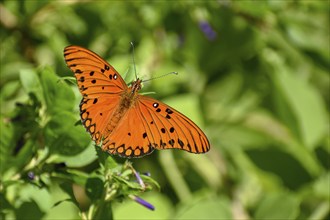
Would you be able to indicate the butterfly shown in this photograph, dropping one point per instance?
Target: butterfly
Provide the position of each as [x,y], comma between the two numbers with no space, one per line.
[123,121]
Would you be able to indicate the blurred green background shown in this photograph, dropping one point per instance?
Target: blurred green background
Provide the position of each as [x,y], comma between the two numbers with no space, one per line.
[253,74]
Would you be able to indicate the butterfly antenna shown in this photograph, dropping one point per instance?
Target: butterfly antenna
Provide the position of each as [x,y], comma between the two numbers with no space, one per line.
[157,77]
[133,59]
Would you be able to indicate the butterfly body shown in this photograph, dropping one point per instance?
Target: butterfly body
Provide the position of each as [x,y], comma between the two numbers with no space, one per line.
[125,122]
[127,100]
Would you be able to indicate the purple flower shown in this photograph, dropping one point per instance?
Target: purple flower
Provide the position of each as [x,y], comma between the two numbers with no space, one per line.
[31,175]
[140,181]
[142,202]
[207,30]
[147,174]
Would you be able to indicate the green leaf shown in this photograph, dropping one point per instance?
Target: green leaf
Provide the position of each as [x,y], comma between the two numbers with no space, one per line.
[68,188]
[58,95]
[75,176]
[7,96]
[87,156]
[187,104]
[268,160]
[63,137]
[59,210]
[306,105]
[215,208]
[105,212]
[31,83]
[106,159]
[6,138]
[24,155]
[15,161]
[41,196]
[94,188]
[29,210]
[321,186]
[316,39]
[131,210]
[278,206]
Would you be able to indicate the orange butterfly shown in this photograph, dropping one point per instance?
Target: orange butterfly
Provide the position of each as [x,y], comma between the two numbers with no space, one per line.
[127,123]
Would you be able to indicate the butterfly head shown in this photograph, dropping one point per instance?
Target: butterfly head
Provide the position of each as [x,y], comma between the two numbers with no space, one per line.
[136,85]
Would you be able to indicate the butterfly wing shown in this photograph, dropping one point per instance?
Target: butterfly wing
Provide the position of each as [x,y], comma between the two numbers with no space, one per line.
[128,138]
[100,85]
[175,130]
[94,75]
[150,124]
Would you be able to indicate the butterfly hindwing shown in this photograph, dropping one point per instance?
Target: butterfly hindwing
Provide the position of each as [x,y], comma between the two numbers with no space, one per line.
[95,115]
[151,124]
[128,138]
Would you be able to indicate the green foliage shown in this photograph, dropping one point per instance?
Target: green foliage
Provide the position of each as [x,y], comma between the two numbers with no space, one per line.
[254,75]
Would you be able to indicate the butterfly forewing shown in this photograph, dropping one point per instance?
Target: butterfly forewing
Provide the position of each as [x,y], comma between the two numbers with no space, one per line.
[174,128]
[94,75]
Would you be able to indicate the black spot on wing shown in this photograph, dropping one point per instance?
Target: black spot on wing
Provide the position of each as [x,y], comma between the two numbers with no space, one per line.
[168,111]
